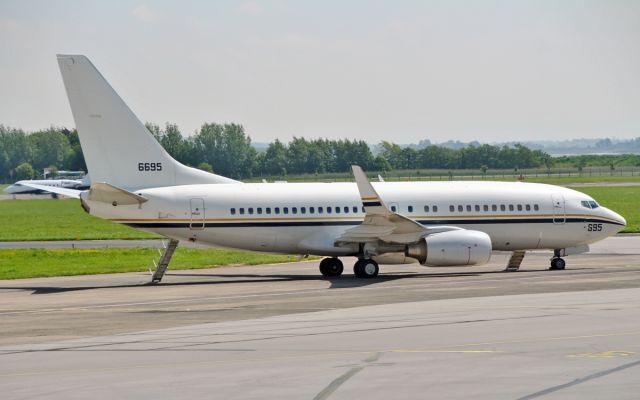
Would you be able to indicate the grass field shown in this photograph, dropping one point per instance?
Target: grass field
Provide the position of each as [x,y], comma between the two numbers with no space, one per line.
[625,200]
[57,220]
[31,263]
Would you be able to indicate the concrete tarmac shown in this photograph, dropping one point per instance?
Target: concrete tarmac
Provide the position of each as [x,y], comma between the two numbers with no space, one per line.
[282,331]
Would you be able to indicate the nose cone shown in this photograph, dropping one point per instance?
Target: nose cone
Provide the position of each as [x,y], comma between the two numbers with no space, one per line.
[619,219]
[9,189]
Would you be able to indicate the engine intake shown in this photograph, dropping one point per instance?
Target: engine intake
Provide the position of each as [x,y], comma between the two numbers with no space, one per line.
[463,247]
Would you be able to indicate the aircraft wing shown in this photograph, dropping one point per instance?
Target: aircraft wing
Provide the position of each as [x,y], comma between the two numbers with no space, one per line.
[54,189]
[380,223]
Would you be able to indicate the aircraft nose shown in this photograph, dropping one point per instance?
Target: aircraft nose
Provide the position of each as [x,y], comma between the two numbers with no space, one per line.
[619,219]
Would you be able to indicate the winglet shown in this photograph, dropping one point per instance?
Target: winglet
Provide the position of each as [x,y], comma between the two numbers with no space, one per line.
[371,201]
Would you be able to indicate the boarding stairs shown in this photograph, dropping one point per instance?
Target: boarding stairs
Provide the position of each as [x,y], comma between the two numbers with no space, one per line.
[515,260]
[165,257]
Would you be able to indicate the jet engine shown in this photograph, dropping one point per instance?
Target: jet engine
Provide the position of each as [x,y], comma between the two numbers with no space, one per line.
[460,247]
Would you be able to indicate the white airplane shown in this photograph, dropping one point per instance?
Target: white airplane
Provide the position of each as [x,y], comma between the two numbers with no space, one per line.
[137,183]
[27,186]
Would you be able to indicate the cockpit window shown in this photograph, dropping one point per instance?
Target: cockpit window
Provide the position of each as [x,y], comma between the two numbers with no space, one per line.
[589,204]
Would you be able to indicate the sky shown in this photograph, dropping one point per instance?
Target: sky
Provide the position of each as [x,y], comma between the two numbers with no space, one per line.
[400,71]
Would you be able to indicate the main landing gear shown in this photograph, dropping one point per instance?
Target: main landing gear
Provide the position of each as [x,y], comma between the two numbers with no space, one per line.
[557,263]
[363,268]
[331,267]
[366,268]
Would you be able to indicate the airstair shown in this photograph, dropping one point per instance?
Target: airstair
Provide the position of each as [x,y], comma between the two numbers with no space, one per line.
[165,257]
[515,260]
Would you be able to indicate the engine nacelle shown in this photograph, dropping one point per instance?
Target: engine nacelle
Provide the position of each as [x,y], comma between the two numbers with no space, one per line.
[462,247]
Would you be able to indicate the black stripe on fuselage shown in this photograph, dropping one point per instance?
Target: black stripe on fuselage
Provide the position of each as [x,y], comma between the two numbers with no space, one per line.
[245,224]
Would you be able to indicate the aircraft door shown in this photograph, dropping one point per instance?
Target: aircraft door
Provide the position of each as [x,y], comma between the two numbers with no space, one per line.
[197,214]
[559,216]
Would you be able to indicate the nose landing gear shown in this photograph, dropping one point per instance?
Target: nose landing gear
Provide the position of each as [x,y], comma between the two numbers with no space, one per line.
[557,263]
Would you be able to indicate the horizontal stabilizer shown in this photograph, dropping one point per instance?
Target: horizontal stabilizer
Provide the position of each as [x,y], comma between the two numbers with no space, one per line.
[107,193]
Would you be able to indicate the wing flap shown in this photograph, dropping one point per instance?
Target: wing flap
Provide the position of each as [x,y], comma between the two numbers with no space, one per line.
[380,223]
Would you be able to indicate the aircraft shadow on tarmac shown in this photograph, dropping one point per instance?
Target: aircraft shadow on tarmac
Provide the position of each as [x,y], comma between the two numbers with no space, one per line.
[344,282]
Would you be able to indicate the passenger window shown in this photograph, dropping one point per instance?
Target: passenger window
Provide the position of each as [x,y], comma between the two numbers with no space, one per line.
[519,207]
[485,207]
[426,208]
[294,210]
[502,207]
[460,208]
[468,207]
[233,211]
[303,210]
[259,209]
[510,207]
[527,207]
[355,209]
[393,208]
[312,210]
[250,210]
[410,209]
[435,208]
[285,210]
[268,210]
[477,207]
[452,208]
[363,211]
[494,207]
[328,210]
[320,210]
[241,210]
[535,207]
[276,210]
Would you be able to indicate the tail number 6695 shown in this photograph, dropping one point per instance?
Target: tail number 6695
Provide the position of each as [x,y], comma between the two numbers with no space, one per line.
[153,167]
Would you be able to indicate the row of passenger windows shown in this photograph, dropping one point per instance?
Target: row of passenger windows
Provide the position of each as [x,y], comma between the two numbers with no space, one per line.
[295,210]
[495,207]
[354,209]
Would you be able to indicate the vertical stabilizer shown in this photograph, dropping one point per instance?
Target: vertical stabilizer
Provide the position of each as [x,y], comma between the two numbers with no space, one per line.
[117,147]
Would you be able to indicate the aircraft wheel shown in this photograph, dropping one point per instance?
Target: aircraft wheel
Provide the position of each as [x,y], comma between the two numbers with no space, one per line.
[331,267]
[557,264]
[366,268]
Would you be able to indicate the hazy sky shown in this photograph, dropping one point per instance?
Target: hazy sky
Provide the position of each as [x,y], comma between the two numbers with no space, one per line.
[392,70]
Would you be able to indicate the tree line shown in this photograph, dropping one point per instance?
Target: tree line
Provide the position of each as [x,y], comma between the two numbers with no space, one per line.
[227,150]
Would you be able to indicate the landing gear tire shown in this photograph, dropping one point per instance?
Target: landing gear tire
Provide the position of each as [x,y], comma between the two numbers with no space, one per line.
[557,264]
[366,268]
[331,267]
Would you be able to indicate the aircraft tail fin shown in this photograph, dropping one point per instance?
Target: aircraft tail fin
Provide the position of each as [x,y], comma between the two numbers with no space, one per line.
[117,147]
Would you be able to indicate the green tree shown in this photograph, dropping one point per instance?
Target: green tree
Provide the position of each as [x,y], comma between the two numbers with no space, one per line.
[275,159]
[205,167]
[24,171]
[49,147]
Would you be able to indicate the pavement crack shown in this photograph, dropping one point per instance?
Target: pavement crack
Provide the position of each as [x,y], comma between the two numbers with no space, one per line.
[579,381]
[336,383]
